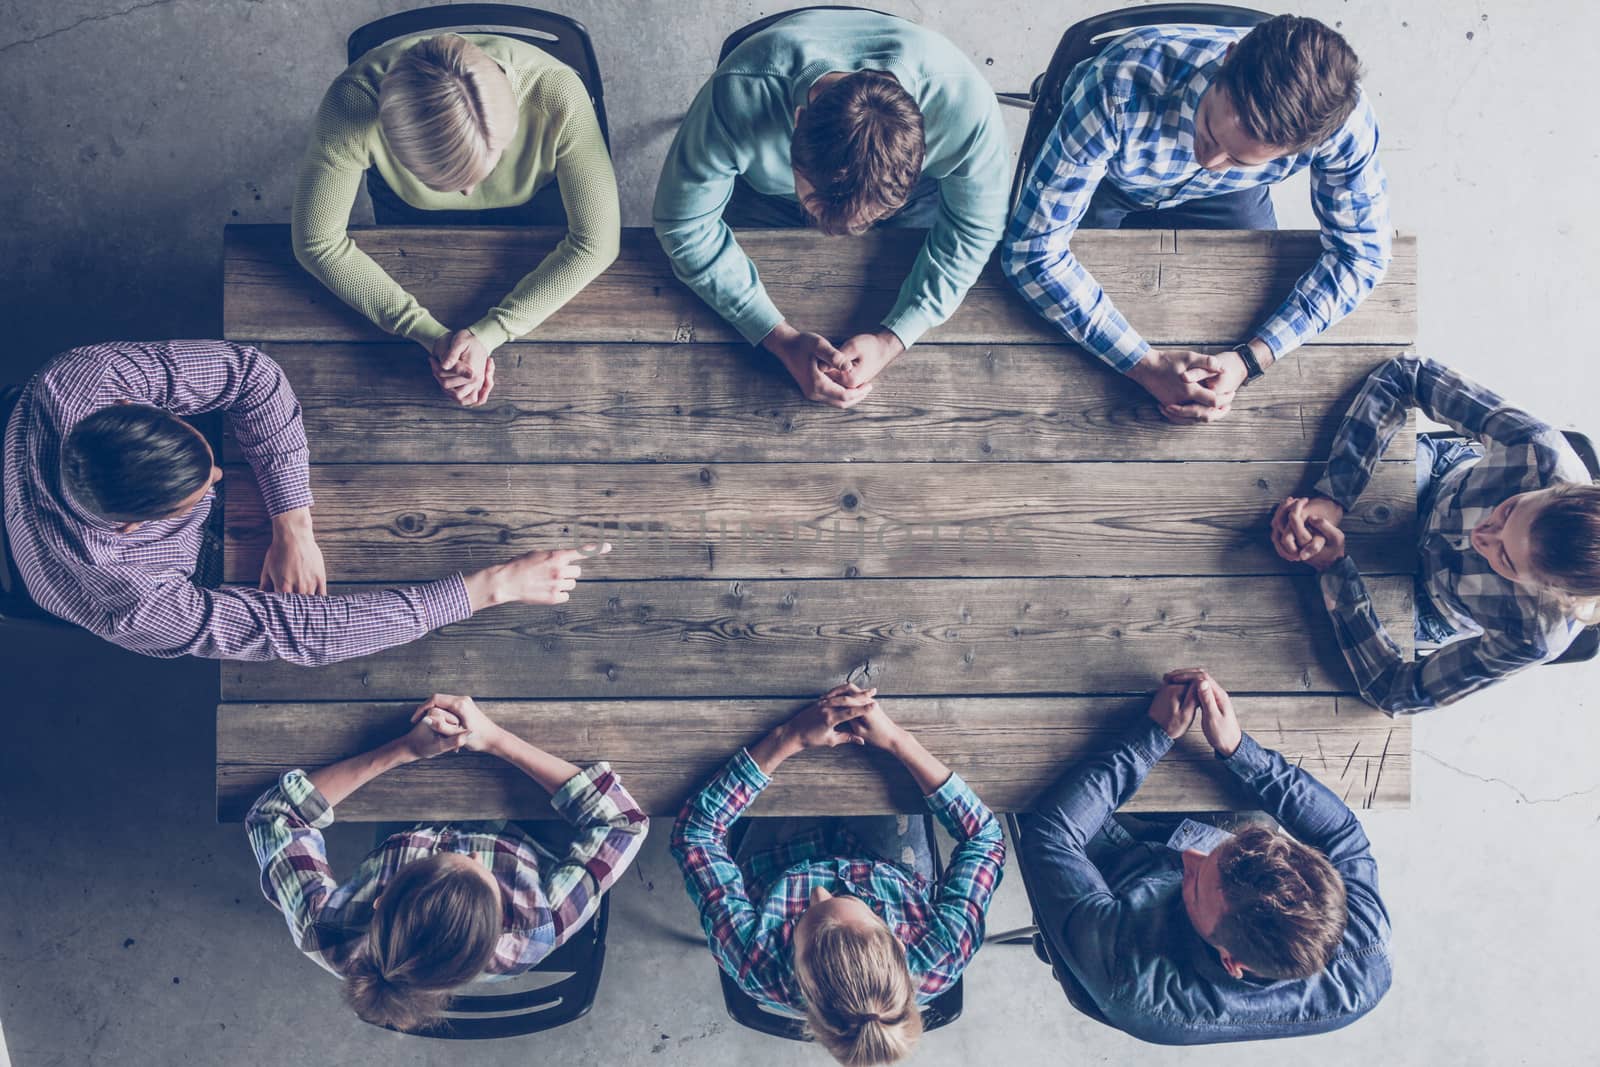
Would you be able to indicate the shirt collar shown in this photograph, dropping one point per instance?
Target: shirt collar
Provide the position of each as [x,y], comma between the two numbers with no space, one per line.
[1186,99]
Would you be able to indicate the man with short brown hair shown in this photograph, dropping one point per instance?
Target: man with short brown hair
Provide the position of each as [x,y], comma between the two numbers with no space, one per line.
[842,120]
[1260,935]
[1188,127]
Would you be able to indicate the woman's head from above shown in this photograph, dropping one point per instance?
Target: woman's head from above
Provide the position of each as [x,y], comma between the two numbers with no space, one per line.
[434,927]
[1547,538]
[861,1003]
[447,112]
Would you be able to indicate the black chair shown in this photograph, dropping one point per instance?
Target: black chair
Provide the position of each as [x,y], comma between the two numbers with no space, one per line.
[16,606]
[1587,644]
[564,38]
[1085,40]
[744,33]
[479,1017]
[941,1011]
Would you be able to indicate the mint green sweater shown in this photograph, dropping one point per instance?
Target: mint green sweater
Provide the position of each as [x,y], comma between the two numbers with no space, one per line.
[742,121]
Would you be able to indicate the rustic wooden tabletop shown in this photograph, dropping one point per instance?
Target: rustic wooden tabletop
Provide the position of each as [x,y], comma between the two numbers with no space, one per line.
[1005,537]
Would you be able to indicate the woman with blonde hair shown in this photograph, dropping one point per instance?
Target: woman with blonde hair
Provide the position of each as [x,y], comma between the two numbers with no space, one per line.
[438,906]
[1508,539]
[840,920]
[459,130]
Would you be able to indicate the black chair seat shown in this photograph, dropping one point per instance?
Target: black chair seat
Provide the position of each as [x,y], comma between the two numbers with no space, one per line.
[486,1016]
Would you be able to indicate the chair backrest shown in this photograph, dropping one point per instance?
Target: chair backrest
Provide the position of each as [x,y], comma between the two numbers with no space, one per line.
[564,38]
[1086,39]
[743,1008]
[478,1017]
[744,33]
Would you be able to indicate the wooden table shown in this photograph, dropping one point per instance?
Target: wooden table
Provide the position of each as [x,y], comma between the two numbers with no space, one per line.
[1005,538]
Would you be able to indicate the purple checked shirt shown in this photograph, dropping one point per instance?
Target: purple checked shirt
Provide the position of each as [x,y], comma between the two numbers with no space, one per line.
[136,589]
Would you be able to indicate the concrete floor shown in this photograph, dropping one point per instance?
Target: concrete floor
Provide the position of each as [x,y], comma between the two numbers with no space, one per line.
[133,932]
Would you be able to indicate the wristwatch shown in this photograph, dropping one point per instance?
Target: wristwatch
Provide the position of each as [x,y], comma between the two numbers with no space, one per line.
[1252,367]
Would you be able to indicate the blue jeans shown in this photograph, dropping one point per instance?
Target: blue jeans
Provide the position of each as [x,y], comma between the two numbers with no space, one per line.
[750,209]
[898,839]
[1436,456]
[1248,209]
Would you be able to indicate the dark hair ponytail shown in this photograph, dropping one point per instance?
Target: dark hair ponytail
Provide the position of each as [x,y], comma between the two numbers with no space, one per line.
[434,928]
[134,463]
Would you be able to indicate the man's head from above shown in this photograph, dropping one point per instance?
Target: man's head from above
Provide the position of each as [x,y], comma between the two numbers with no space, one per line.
[1289,84]
[447,112]
[132,463]
[861,1004]
[1546,539]
[1267,903]
[857,151]
[434,927]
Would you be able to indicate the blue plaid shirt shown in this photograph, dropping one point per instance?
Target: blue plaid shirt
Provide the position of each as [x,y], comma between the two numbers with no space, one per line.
[1508,626]
[1128,116]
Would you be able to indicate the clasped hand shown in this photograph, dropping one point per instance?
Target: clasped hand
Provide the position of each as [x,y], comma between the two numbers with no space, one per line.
[844,715]
[841,377]
[446,723]
[463,367]
[1188,693]
[1191,386]
[1306,530]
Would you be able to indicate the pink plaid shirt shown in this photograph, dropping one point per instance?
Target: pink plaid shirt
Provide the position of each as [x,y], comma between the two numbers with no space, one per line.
[136,590]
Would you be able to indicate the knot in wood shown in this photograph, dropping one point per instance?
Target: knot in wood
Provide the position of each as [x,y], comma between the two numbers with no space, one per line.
[852,571]
[706,476]
[848,501]
[411,522]
[1381,513]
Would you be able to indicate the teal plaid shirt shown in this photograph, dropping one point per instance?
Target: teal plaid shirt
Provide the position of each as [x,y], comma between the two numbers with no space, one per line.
[749,915]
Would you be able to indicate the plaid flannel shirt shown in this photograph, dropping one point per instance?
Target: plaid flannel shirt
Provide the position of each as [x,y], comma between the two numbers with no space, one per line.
[749,921]
[1509,626]
[1128,118]
[546,897]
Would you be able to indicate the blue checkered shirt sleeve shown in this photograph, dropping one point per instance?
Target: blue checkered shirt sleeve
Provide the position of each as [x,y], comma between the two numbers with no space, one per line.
[1036,253]
[1350,196]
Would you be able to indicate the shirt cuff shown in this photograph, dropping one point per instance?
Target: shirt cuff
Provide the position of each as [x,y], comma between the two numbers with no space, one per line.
[288,492]
[1338,584]
[579,793]
[756,319]
[426,331]
[909,323]
[445,602]
[306,799]
[1150,741]
[1247,760]
[490,332]
[954,788]
[744,768]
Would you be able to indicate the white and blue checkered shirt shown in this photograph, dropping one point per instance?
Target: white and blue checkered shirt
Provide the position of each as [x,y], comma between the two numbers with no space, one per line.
[1128,117]
[1505,626]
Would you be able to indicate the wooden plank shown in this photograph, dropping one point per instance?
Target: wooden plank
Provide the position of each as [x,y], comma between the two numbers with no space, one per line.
[366,403]
[1175,292]
[797,638]
[389,523]
[1007,749]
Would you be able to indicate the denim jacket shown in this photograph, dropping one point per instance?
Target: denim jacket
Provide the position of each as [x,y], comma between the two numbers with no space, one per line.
[1113,911]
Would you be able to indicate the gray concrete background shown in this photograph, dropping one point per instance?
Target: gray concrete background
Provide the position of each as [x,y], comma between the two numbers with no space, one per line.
[131,928]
